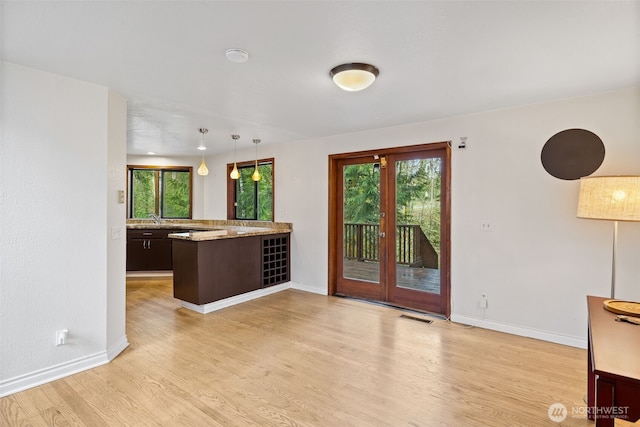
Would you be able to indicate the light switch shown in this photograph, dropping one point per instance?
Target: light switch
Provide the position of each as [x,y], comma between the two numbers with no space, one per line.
[120,196]
[116,233]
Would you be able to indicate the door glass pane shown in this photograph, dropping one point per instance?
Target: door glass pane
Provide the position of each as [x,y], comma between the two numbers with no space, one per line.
[143,193]
[361,216]
[418,224]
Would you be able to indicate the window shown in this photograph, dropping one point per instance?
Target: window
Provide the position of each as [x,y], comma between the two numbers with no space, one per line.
[164,191]
[248,199]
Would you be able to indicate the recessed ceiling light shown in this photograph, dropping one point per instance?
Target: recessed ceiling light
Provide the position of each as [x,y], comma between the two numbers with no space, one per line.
[354,77]
[237,55]
[151,153]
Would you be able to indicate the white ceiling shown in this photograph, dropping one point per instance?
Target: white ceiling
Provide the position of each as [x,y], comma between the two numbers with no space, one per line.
[436,59]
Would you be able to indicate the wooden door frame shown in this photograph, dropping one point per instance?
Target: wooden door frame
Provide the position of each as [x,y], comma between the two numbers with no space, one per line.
[334,170]
[364,289]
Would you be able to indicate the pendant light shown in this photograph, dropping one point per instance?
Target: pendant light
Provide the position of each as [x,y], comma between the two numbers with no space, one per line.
[202,170]
[234,173]
[256,174]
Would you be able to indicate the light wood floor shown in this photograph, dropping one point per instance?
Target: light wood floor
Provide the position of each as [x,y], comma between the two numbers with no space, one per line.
[299,359]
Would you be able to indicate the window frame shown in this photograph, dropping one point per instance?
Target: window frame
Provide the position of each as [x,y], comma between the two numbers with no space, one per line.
[231,189]
[160,170]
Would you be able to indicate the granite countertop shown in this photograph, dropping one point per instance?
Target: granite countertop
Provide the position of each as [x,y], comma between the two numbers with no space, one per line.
[199,230]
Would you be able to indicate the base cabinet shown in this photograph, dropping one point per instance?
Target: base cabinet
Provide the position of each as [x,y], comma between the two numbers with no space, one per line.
[613,367]
[149,250]
[211,270]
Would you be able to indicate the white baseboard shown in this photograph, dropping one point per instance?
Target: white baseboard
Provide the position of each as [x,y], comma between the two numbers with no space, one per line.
[52,373]
[43,376]
[569,340]
[238,299]
[117,348]
[307,288]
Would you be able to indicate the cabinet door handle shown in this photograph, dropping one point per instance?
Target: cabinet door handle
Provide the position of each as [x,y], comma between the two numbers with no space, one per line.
[148,244]
[147,234]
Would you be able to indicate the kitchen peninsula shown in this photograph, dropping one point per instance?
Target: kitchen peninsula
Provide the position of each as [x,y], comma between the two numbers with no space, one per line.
[215,261]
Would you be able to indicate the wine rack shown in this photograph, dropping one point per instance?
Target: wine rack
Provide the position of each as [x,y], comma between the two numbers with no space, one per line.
[275,259]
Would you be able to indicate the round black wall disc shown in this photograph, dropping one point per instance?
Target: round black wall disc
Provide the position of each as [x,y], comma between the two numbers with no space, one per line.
[572,154]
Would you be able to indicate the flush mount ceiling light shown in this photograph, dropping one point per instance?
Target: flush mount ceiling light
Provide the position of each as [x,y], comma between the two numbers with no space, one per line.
[237,55]
[202,170]
[354,77]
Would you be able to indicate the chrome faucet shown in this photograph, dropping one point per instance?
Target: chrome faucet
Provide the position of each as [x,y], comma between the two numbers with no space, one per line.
[156,218]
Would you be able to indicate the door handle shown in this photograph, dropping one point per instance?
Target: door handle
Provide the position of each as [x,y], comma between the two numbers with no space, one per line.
[382,234]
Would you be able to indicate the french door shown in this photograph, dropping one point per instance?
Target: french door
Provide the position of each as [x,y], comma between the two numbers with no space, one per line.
[389,226]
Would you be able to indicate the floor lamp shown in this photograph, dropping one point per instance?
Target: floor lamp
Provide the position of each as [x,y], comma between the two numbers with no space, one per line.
[613,198]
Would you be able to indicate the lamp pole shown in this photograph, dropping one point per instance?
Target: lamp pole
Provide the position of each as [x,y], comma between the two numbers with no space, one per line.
[613,260]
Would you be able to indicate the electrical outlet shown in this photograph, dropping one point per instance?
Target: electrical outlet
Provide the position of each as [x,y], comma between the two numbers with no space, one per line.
[484,302]
[486,225]
[61,336]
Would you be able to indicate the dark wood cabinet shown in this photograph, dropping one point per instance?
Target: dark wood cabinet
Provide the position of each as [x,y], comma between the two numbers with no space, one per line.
[148,249]
[210,270]
[613,367]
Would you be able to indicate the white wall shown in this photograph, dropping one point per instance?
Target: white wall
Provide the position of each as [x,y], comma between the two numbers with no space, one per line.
[116,221]
[199,182]
[54,217]
[539,262]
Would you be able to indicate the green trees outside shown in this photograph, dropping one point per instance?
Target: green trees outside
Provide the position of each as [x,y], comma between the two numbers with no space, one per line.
[418,189]
[361,194]
[143,194]
[175,194]
[252,205]
[163,192]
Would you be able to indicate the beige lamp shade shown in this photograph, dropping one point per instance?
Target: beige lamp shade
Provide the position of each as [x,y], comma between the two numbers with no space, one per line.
[616,198]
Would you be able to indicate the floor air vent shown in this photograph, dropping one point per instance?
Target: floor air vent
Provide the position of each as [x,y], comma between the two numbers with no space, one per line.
[419,319]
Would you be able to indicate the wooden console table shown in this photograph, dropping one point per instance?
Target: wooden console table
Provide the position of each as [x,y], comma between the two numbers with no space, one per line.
[613,366]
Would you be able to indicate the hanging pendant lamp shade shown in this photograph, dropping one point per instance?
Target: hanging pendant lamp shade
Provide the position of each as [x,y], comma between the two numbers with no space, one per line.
[202,170]
[234,173]
[354,77]
[256,173]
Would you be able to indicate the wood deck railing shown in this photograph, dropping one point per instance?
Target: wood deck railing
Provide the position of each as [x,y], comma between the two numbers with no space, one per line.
[413,248]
